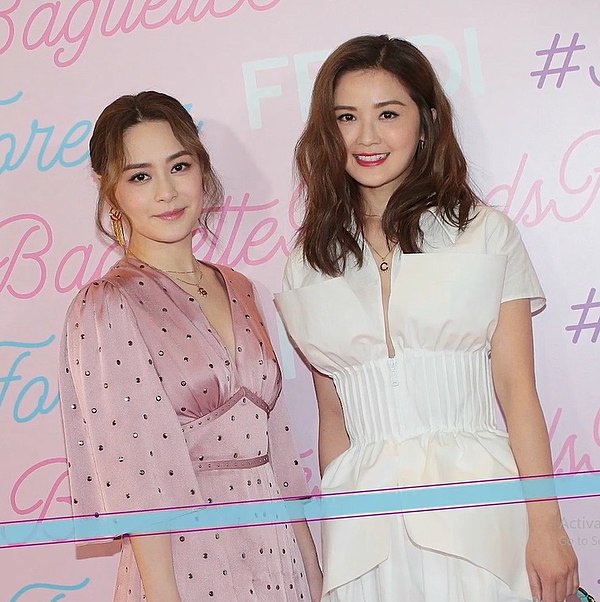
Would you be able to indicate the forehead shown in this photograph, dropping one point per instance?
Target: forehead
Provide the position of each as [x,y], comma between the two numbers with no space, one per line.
[149,139]
[369,84]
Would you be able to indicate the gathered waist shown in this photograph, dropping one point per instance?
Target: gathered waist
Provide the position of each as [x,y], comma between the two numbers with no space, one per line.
[417,391]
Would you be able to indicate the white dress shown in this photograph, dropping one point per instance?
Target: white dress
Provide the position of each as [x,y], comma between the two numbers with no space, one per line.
[426,416]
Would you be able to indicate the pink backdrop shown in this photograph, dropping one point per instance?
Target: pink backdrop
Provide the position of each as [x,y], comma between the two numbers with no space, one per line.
[525,82]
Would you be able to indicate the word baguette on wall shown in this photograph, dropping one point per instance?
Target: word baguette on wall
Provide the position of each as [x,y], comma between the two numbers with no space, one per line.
[68,28]
[32,263]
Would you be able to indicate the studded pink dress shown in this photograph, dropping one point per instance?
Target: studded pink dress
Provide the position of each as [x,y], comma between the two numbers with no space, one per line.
[157,414]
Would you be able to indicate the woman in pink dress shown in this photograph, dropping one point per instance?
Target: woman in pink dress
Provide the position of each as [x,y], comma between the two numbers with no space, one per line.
[169,383]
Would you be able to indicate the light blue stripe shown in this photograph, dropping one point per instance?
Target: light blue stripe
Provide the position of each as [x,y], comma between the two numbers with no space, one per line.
[410,499]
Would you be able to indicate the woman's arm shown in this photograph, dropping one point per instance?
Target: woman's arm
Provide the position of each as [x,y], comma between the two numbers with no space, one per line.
[333,438]
[154,559]
[307,548]
[551,562]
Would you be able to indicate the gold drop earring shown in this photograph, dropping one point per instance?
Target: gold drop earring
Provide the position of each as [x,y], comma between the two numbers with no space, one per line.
[117,225]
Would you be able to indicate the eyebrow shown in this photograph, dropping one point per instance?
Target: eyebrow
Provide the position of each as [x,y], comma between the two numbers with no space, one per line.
[378,105]
[170,158]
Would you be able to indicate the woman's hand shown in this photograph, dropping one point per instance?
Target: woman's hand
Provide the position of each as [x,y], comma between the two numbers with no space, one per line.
[551,563]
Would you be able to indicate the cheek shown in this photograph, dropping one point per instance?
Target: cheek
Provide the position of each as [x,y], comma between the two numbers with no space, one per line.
[197,190]
[134,206]
[127,195]
[346,133]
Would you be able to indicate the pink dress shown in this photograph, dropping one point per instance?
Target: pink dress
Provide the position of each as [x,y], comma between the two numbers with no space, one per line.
[157,414]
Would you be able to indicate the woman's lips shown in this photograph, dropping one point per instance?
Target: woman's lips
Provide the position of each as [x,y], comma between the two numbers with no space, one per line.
[172,215]
[371,160]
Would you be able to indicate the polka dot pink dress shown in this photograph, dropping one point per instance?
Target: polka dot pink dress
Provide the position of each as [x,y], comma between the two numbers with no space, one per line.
[157,414]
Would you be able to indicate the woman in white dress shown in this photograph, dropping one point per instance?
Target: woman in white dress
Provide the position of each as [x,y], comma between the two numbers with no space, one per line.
[412,301]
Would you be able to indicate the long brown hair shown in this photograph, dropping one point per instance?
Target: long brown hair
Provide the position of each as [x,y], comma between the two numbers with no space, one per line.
[438,178]
[107,152]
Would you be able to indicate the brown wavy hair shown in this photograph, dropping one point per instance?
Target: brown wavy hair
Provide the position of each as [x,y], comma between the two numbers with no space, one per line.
[107,152]
[333,220]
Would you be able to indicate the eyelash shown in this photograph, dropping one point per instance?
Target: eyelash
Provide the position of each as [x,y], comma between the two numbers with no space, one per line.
[347,117]
[136,177]
[184,165]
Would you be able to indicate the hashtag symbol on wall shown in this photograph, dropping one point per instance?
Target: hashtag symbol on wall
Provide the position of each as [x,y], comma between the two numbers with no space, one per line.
[566,67]
[585,321]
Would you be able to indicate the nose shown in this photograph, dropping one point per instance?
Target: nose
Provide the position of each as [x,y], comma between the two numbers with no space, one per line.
[368,132]
[166,190]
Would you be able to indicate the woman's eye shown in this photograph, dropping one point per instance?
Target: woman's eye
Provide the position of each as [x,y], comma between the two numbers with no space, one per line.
[179,167]
[345,117]
[389,115]
[139,177]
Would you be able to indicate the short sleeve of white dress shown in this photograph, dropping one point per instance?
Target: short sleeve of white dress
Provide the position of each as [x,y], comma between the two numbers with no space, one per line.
[520,279]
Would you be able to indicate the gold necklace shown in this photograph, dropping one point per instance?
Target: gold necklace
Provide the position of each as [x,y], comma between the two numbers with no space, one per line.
[176,272]
[384,266]
[201,290]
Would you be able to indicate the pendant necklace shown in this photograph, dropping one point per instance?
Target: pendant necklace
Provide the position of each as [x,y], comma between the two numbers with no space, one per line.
[384,266]
[173,274]
[201,290]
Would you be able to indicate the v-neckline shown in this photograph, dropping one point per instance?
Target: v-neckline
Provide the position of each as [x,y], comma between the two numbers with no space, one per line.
[231,354]
[385,311]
